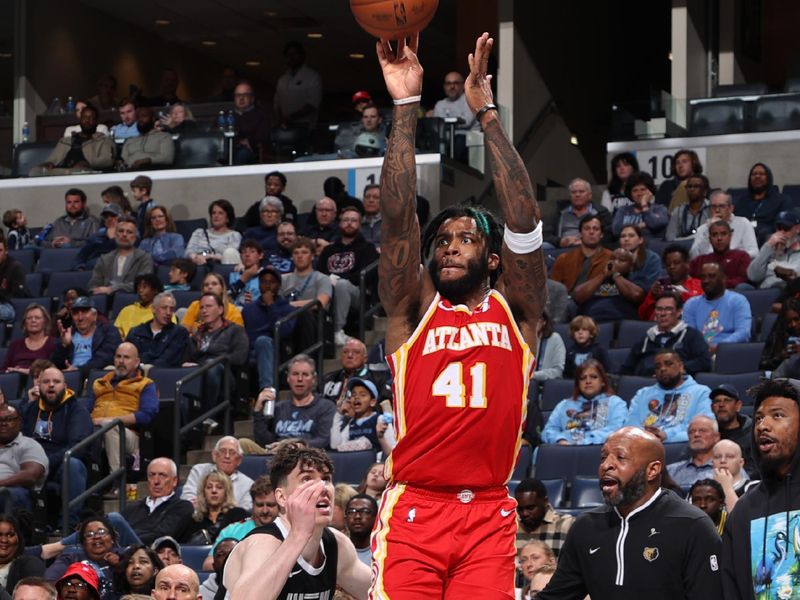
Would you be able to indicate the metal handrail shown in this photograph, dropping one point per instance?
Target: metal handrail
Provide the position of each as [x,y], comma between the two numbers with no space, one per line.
[363,312]
[119,473]
[225,407]
[318,346]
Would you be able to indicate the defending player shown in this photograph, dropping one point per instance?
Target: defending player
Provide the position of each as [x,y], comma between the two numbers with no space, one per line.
[461,341]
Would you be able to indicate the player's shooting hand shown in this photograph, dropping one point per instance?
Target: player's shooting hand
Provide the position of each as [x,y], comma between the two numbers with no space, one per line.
[402,71]
[301,509]
[477,87]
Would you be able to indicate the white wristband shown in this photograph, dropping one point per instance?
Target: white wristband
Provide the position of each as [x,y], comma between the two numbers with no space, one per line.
[409,100]
[523,243]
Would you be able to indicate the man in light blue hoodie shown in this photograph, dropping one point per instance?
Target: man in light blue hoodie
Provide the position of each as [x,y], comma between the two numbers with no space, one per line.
[665,409]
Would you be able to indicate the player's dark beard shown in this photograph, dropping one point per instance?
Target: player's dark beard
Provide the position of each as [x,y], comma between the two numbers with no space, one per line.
[88,131]
[630,492]
[456,291]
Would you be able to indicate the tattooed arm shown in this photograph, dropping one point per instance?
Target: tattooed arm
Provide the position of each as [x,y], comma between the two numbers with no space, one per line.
[398,270]
[524,275]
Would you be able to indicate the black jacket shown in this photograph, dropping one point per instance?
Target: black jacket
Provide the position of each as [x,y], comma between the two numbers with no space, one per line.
[347,260]
[105,340]
[68,424]
[666,549]
[687,341]
[173,517]
[768,514]
[165,349]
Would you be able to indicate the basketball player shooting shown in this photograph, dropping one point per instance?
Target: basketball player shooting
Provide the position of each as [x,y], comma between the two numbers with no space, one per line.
[462,342]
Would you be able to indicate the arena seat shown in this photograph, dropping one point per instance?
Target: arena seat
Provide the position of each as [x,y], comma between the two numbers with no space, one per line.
[630,332]
[738,358]
[193,556]
[20,304]
[585,493]
[255,465]
[223,270]
[187,226]
[25,257]
[761,300]
[523,467]
[741,381]
[351,467]
[56,259]
[776,113]
[740,89]
[60,281]
[184,298]
[554,461]
[29,154]
[199,150]
[793,191]
[674,452]
[33,283]
[166,379]
[616,358]
[121,300]
[554,391]
[714,117]
[555,490]
[630,384]
[11,384]
[767,323]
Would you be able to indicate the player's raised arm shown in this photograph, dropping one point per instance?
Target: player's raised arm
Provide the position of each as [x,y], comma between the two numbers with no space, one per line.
[524,273]
[400,244]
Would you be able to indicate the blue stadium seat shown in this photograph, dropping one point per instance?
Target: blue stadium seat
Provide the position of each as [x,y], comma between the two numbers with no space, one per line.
[223,270]
[523,467]
[33,283]
[25,257]
[255,465]
[554,391]
[184,299]
[187,226]
[631,332]
[727,90]
[199,150]
[121,300]
[630,384]
[674,452]
[11,384]
[3,352]
[741,381]
[761,300]
[554,461]
[555,491]
[193,556]
[20,304]
[56,259]
[738,358]
[775,113]
[351,467]
[616,358]
[166,379]
[585,493]
[100,302]
[714,117]
[793,191]
[767,323]
[60,281]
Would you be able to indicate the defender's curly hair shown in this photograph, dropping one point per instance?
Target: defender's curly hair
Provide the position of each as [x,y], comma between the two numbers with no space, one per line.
[290,455]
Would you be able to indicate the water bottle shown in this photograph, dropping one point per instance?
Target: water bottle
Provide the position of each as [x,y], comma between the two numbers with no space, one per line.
[221,122]
[230,122]
[43,234]
[26,132]
[70,105]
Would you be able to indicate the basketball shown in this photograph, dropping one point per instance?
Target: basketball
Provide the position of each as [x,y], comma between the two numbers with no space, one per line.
[393,19]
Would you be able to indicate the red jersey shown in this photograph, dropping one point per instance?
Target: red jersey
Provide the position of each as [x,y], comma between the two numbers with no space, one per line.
[460,388]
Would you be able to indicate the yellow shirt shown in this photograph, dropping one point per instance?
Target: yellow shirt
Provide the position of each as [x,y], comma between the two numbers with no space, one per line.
[133,315]
[191,320]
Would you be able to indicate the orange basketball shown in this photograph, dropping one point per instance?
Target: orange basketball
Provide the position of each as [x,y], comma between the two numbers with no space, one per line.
[393,19]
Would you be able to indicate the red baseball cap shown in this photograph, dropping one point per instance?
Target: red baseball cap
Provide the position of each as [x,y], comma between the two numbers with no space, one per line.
[85,572]
[361,96]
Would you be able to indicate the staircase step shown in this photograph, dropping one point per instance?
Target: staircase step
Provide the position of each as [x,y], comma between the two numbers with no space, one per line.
[210,441]
[194,457]
[113,505]
[243,428]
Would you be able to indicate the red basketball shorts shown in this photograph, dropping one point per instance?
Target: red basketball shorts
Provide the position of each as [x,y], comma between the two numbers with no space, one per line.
[439,544]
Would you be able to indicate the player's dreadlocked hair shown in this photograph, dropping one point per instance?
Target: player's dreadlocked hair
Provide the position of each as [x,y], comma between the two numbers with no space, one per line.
[487,224]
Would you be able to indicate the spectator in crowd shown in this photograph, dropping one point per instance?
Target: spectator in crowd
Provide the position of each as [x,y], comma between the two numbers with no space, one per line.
[160,341]
[168,550]
[128,127]
[274,185]
[87,344]
[252,126]
[641,211]
[371,221]
[219,242]
[454,103]
[583,345]
[58,422]
[85,150]
[213,583]
[558,304]
[539,580]
[686,219]
[569,266]
[762,202]
[106,96]
[23,462]
[127,395]
[676,264]
[334,188]
[298,93]
[666,408]
[531,557]
[778,260]
[374,482]
[733,262]
[18,235]
[141,310]
[265,511]
[213,283]
[565,232]
[260,317]
[180,276]
[253,561]
[353,359]
[743,235]
[783,340]
[347,132]
[117,270]
[370,133]
[324,229]
[19,567]
[80,582]
[114,195]
[722,316]
[102,242]
[592,414]
[265,233]
[552,352]
[152,148]
[141,188]
[178,120]
[357,425]
[214,508]
[34,374]
[305,415]
[216,337]
[168,89]
[616,196]
[669,331]
[537,520]
[36,342]
[729,471]
[137,570]
[343,260]
[753,548]
[74,228]
[71,129]
[672,192]
[703,434]
[33,588]
[631,465]
[342,494]
[226,456]
[63,315]
[243,280]
[161,512]
[360,516]
[732,424]
[12,282]
[281,259]
[708,495]
[305,284]
[161,241]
